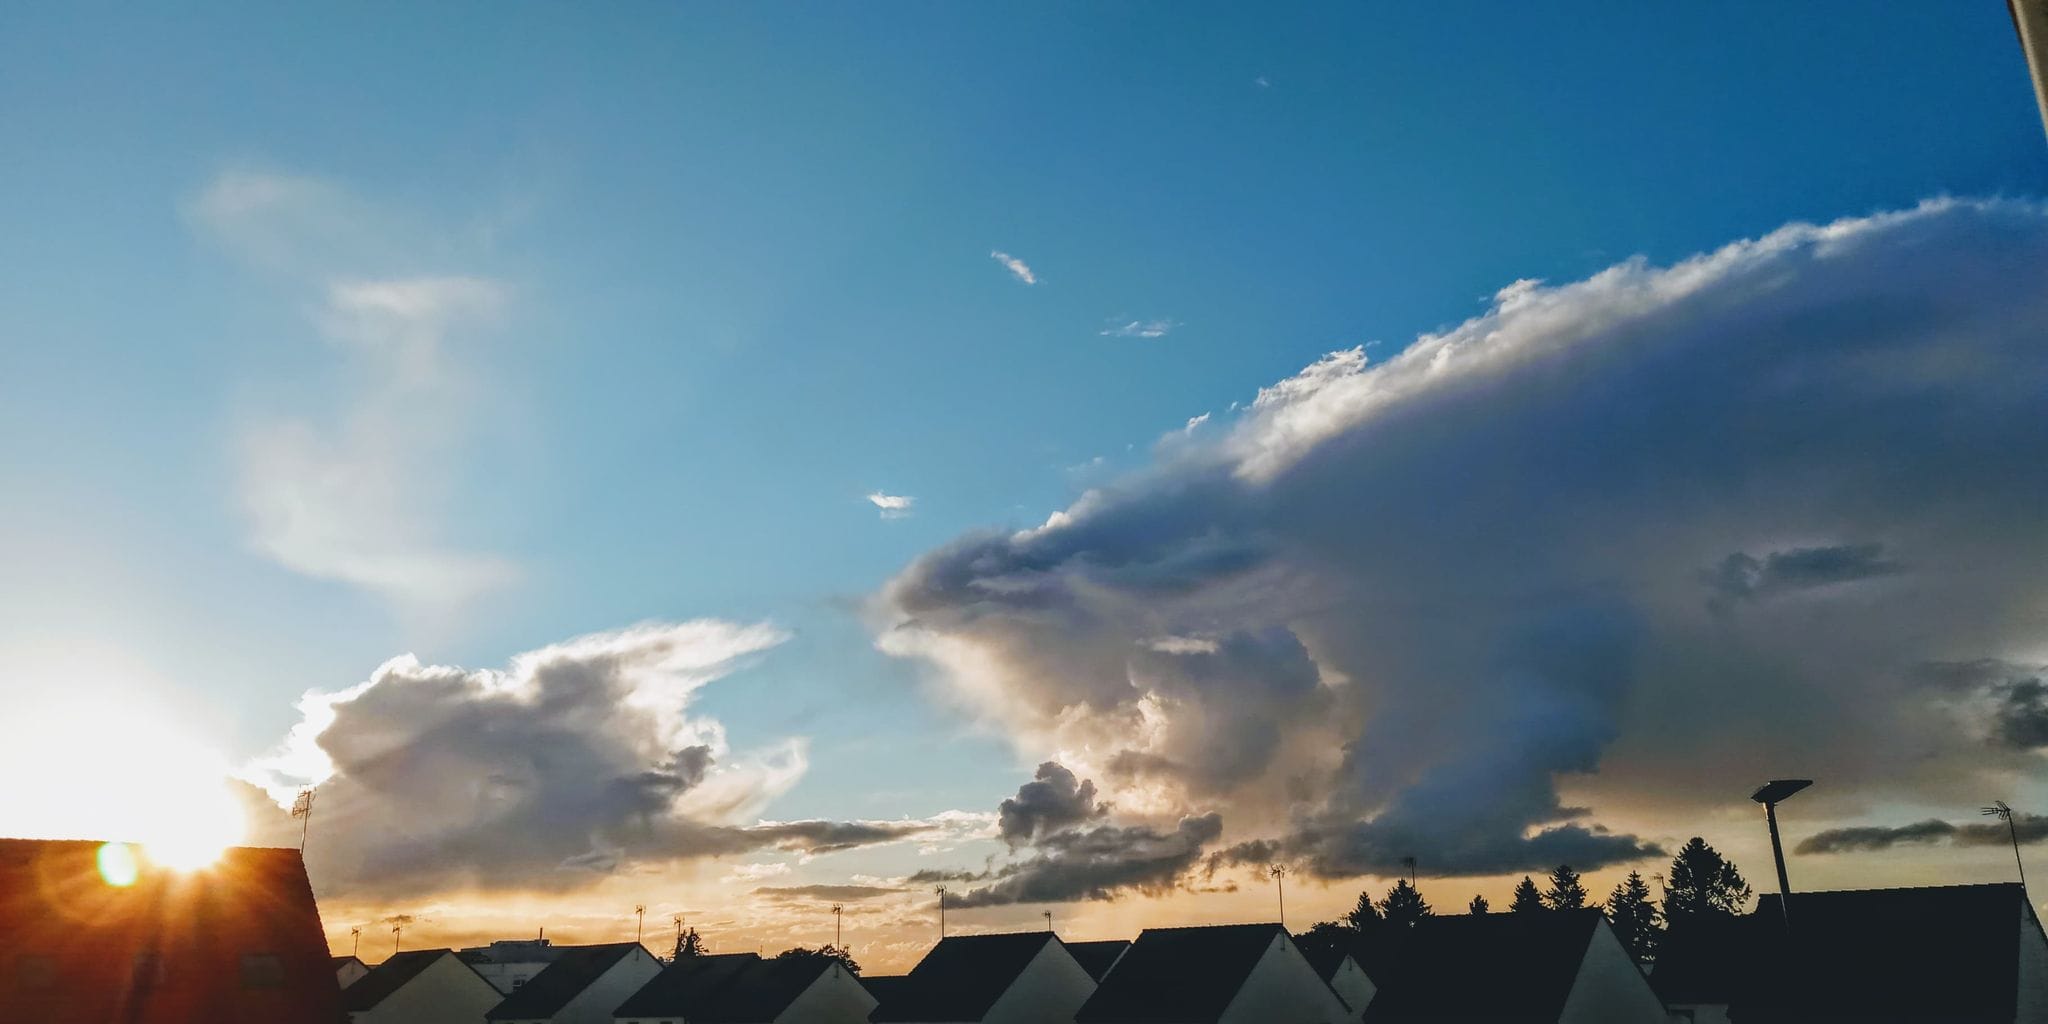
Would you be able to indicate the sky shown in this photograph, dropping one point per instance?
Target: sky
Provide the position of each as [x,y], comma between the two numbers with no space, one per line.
[735,458]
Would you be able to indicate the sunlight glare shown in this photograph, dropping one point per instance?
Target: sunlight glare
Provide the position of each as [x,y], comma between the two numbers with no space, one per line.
[117,864]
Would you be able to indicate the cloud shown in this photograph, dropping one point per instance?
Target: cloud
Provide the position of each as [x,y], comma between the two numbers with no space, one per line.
[1139,329]
[1463,578]
[1095,863]
[358,494]
[1015,266]
[1052,800]
[893,506]
[846,893]
[2006,702]
[578,759]
[2030,828]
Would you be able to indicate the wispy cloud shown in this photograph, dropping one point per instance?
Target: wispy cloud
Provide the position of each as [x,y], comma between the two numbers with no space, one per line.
[1017,267]
[1139,329]
[893,506]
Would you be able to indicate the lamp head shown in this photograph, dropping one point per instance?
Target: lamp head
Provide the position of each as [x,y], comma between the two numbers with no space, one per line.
[1777,790]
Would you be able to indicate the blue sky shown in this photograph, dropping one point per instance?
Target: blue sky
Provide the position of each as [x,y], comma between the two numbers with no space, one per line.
[743,255]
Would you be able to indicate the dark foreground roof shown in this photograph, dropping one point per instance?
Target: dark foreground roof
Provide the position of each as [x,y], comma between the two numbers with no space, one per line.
[1325,959]
[1948,953]
[389,977]
[1097,957]
[886,988]
[1495,967]
[572,971]
[737,988]
[962,977]
[1179,974]
[238,940]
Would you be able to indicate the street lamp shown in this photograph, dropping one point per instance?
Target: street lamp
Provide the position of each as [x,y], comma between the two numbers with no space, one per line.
[1772,793]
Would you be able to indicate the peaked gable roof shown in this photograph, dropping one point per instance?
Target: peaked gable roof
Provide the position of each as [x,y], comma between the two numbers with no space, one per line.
[685,987]
[762,991]
[963,976]
[389,977]
[1947,952]
[338,962]
[1180,974]
[572,971]
[1495,967]
[1327,960]
[1097,957]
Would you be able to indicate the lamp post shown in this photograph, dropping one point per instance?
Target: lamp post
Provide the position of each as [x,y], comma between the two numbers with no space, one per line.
[1770,795]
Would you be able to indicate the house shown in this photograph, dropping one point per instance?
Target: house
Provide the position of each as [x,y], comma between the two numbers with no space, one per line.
[1098,957]
[583,985]
[1955,953]
[1225,974]
[1006,978]
[885,988]
[742,988]
[93,932]
[1340,970]
[419,986]
[511,963]
[1699,964]
[348,970]
[1565,966]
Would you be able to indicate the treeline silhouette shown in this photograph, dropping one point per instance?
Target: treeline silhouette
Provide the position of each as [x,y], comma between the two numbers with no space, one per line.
[1701,887]
[690,944]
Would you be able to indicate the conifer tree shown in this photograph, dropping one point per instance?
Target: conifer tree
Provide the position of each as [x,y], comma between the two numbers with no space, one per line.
[1478,906]
[1702,884]
[1404,905]
[1527,899]
[1635,918]
[1364,916]
[1565,892]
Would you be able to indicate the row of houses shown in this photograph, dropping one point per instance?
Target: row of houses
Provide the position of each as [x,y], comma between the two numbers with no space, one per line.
[85,937]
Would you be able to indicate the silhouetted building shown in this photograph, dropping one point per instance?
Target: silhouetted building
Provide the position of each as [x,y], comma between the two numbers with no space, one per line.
[1098,957]
[235,943]
[1955,953]
[583,985]
[1563,966]
[1227,974]
[419,986]
[348,970]
[1340,970]
[742,988]
[510,963]
[994,979]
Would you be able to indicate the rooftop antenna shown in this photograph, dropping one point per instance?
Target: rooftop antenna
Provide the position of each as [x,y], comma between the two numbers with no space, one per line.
[302,809]
[678,919]
[395,929]
[837,910]
[942,911]
[355,940]
[1048,920]
[1279,874]
[639,921]
[2002,811]
[1409,863]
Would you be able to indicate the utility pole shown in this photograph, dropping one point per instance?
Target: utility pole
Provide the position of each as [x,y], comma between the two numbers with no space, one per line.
[1279,874]
[837,910]
[942,912]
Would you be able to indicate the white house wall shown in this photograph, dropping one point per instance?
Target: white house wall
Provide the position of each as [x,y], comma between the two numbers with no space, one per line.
[447,992]
[350,972]
[1284,989]
[1353,985]
[1610,988]
[834,998]
[594,1005]
[2033,994]
[1048,991]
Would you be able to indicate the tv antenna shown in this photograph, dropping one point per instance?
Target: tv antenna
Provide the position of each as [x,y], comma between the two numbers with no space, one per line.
[1279,874]
[355,940]
[395,930]
[837,910]
[302,809]
[942,911]
[639,921]
[2002,811]
[1409,863]
[1048,920]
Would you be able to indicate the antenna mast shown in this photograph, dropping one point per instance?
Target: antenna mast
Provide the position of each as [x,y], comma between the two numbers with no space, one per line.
[942,911]
[2001,810]
[1279,874]
[302,809]
[639,921]
[837,910]
[355,940]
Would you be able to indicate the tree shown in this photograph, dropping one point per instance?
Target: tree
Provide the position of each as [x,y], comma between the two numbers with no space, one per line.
[1404,905]
[1565,892]
[1364,917]
[1702,885]
[827,951]
[1527,900]
[689,944]
[1325,934]
[1478,906]
[1635,918]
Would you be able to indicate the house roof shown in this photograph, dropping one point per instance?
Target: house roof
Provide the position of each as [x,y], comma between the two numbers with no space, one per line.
[1944,952]
[1179,974]
[732,988]
[564,979]
[1325,959]
[886,987]
[337,961]
[237,940]
[1494,967]
[963,976]
[1097,957]
[389,977]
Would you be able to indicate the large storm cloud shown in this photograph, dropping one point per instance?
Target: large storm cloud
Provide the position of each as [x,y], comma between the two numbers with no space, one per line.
[576,760]
[1624,536]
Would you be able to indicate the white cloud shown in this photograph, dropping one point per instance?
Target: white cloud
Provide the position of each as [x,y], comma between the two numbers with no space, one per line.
[893,506]
[1015,266]
[1194,422]
[1139,329]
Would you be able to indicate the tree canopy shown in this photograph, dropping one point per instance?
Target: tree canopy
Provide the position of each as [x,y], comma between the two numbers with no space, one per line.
[1635,918]
[1404,905]
[689,944]
[1527,898]
[1565,892]
[1478,906]
[1702,884]
[827,951]
[1363,915]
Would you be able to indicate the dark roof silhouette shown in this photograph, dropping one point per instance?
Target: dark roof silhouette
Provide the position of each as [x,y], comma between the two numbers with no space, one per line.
[1492,967]
[1097,957]
[237,941]
[389,977]
[572,971]
[1702,961]
[962,977]
[734,988]
[885,987]
[1325,959]
[336,961]
[1179,974]
[1948,953]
